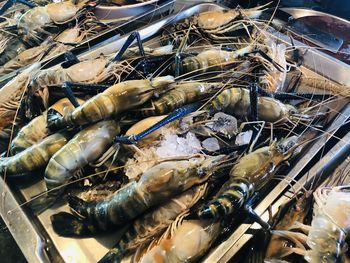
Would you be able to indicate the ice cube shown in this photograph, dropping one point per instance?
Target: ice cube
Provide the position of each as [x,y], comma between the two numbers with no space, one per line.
[211,144]
[244,138]
[224,124]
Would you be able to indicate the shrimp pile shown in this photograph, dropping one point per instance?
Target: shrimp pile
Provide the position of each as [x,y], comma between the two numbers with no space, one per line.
[41,33]
[191,132]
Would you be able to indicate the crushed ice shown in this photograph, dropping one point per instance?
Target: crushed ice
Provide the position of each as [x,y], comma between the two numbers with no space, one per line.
[171,145]
[211,144]
[225,124]
[244,138]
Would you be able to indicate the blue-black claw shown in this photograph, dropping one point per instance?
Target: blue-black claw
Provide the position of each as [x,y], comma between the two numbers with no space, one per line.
[176,114]
[132,139]
[128,42]
[291,96]
[10,3]
[86,86]
[70,60]
[69,94]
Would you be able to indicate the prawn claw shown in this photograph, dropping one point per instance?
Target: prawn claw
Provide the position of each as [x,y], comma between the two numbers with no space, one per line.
[176,114]
[132,139]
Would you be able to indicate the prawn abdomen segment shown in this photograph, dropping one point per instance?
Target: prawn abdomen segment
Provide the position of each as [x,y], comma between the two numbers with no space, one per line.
[233,196]
[61,168]
[117,98]
[227,100]
[125,205]
[35,156]
[91,111]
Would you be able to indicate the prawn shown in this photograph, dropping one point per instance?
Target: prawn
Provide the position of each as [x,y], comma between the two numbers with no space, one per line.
[156,185]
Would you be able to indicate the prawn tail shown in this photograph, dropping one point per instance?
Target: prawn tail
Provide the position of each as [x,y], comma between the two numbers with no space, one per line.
[114,255]
[41,203]
[68,225]
[78,205]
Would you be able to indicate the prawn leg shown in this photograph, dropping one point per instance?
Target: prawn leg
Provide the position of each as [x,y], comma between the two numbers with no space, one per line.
[292,96]
[128,42]
[176,114]
[70,95]
[161,62]
[68,87]
[177,62]
[10,3]
[145,60]
[144,63]
[250,212]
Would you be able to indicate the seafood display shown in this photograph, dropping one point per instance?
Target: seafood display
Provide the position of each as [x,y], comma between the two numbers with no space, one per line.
[172,143]
[41,30]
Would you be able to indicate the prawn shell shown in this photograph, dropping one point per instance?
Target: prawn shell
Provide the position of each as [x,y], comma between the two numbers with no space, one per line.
[158,219]
[29,134]
[11,94]
[70,35]
[61,12]
[86,70]
[85,147]
[117,98]
[24,58]
[37,17]
[64,106]
[36,129]
[189,242]
[215,19]
[34,157]
[272,110]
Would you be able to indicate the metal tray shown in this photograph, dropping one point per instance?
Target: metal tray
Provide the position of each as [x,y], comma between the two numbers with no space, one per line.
[35,235]
[122,27]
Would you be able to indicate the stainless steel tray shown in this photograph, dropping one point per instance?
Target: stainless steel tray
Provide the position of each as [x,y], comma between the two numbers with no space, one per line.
[35,235]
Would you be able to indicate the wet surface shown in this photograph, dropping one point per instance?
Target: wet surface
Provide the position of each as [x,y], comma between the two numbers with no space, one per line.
[338,28]
[9,251]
